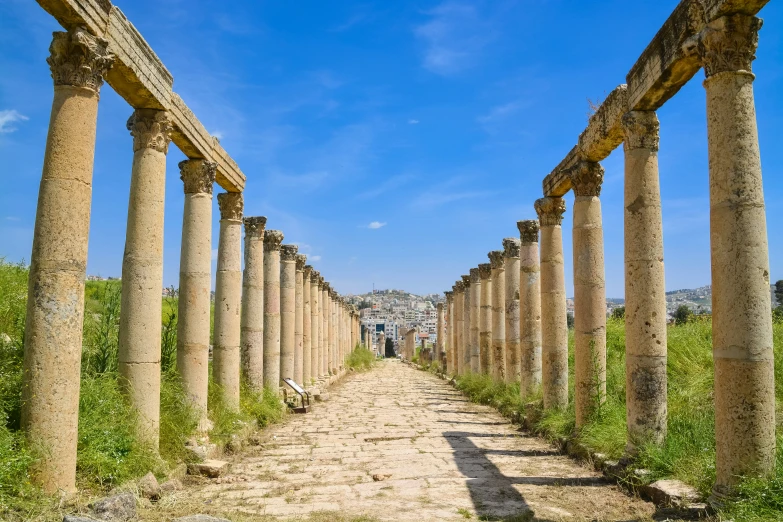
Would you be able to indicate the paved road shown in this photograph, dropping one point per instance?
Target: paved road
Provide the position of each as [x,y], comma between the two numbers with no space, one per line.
[400,444]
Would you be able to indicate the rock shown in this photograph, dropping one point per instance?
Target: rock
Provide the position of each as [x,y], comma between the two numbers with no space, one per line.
[321,397]
[378,477]
[120,507]
[200,518]
[234,445]
[201,451]
[149,487]
[74,518]
[673,493]
[208,468]
[170,486]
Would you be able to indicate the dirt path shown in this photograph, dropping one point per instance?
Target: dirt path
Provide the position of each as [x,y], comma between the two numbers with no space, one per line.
[399,444]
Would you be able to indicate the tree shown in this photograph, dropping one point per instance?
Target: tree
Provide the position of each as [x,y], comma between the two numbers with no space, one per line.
[779,292]
[570,320]
[618,313]
[389,348]
[682,315]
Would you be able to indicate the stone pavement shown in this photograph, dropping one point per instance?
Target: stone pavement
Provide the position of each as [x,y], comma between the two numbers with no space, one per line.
[399,444]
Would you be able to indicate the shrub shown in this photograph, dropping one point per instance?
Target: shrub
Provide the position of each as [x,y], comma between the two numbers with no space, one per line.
[361,359]
[264,407]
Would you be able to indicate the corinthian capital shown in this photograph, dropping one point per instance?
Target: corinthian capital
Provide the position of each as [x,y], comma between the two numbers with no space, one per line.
[231,205]
[550,211]
[272,240]
[586,178]
[528,230]
[496,258]
[475,277]
[79,59]
[465,281]
[458,287]
[729,44]
[254,226]
[449,295]
[151,129]
[641,130]
[301,259]
[484,270]
[198,175]
[288,252]
[511,247]
[314,276]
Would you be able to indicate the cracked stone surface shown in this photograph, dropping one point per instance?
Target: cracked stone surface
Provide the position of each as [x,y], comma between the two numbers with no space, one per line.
[400,444]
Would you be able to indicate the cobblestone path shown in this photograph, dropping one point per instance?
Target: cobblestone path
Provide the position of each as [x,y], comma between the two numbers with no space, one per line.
[399,444]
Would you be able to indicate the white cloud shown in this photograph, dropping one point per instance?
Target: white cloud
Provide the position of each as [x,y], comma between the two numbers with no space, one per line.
[413,122]
[8,118]
[12,218]
[390,184]
[214,254]
[376,224]
[217,134]
[314,258]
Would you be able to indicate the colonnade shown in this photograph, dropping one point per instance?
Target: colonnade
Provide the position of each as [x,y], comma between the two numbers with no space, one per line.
[277,318]
[519,303]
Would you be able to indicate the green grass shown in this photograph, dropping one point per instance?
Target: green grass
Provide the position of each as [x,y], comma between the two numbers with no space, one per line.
[688,453]
[361,359]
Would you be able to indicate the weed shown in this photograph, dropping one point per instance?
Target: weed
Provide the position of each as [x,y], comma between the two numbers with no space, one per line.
[361,359]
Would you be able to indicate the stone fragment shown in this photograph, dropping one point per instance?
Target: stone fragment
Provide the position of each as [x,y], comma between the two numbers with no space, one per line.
[120,507]
[74,518]
[670,493]
[208,468]
[170,486]
[149,487]
[380,477]
[200,518]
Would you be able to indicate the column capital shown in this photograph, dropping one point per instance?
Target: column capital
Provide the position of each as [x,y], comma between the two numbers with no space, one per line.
[151,129]
[301,259]
[465,281]
[449,295]
[511,247]
[273,239]
[321,282]
[458,287]
[314,276]
[327,287]
[79,59]
[308,271]
[550,211]
[474,276]
[728,44]
[254,226]
[231,205]
[288,252]
[198,175]
[641,130]
[496,258]
[528,230]
[586,178]
[485,270]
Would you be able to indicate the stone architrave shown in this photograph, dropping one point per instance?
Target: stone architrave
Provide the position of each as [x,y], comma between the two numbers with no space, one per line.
[273,240]
[58,263]
[741,306]
[301,259]
[195,283]
[645,290]
[529,308]
[315,325]
[498,349]
[307,328]
[228,299]
[554,326]
[142,270]
[474,348]
[287,309]
[466,316]
[485,320]
[589,292]
[511,268]
[252,320]
[440,340]
[459,326]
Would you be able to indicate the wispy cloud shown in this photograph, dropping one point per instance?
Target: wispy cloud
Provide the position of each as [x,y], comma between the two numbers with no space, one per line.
[217,134]
[390,184]
[12,218]
[449,191]
[375,225]
[214,254]
[314,258]
[453,37]
[413,122]
[7,119]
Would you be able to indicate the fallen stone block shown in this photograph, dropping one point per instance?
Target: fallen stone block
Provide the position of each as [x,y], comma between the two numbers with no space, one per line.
[672,493]
[74,518]
[149,487]
[170,486]
[200,518]
[120,508]
[208,468]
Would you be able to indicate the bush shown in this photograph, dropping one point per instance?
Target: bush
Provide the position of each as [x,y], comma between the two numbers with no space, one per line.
[361,359]
[263,407]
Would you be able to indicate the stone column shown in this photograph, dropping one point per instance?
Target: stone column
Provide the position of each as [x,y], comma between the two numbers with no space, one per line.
[554,327]
[195,283]
[485,319]
[307,328]
[228,297]
[645,291]
[475,320]
[315,325]
[466,366]
[332,331]
[448,366]
[142,269]
[511,268]
[301,259]
[589,292]
[58,263]
[325,316]
[440,339]
[272,245]
[287,309]
[498,349]
[741,307]
[252,320]
[382,343]
[529,308]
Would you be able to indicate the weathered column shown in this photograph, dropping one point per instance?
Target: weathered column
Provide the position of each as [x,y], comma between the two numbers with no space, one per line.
[142,269]
[741,307]
[58,263]
[529,308]
[287,309]
[554,327]
[301,259]
[485,319]
[440,335]
[228,297]
[307,327]
[448,365]
[315,325]
[466,365]
[475,320]
[325,317]
[511,268]
[272,245]
[589,292]
[252,320]
[195,283]
[382,343]
[498,350]
[332,332]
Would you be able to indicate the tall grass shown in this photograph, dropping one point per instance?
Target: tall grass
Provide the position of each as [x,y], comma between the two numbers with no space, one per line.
[361,359]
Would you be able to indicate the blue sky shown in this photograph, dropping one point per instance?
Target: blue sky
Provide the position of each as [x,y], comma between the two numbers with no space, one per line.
[396,142]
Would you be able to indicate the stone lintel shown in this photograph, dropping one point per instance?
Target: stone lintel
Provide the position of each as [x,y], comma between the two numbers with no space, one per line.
[558,182]
[604,131]
[92,14]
